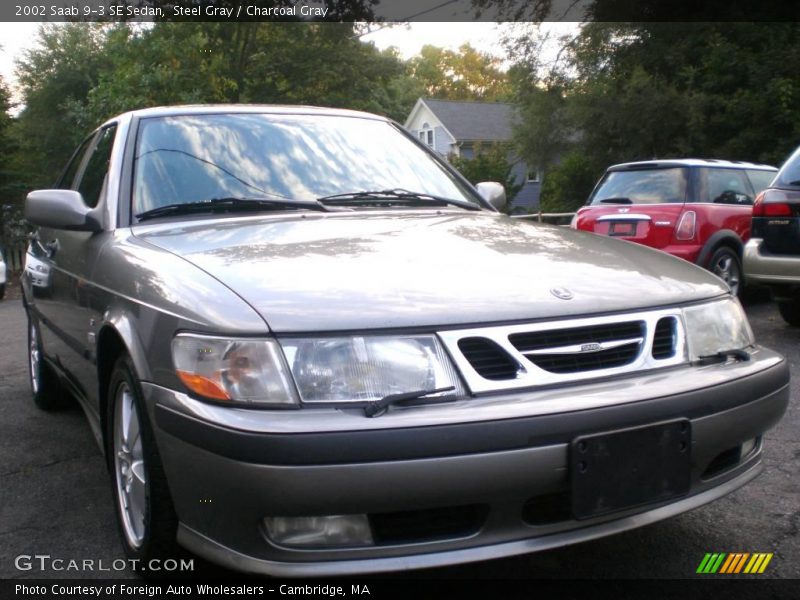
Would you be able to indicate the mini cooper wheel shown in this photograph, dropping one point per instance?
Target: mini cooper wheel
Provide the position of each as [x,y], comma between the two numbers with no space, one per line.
[45,388]
[726,265]
[145,515]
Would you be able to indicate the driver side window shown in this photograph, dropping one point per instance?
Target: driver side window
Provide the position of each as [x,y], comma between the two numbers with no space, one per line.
[94,174]
[68,176]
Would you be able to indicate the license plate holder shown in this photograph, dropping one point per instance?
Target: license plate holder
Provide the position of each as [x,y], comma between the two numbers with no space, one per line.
[622,228]
[624,469]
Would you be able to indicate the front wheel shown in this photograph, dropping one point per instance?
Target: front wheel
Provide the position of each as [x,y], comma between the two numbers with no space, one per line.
[790,311]
[145,514]
[726,265]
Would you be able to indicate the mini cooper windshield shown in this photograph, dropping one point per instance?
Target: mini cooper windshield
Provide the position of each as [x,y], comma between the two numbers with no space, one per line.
[190,158]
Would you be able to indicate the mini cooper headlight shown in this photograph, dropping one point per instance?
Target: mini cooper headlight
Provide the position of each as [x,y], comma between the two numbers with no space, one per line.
[247,371]
[716,327]
[368,368]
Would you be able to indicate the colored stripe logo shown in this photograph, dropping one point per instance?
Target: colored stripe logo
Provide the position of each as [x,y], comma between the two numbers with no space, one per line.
[734,563]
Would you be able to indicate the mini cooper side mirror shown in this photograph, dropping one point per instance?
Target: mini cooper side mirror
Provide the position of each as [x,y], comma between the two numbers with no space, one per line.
[61,209]
[494,193]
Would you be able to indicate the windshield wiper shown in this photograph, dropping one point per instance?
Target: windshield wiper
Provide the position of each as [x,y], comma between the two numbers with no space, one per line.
[394,196]
[230,204]
[616,201]
[379,407]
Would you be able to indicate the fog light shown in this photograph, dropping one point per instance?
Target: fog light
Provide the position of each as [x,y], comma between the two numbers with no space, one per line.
[319,532]
[748,447]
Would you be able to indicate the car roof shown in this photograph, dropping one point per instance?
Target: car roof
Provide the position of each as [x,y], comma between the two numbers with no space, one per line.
[690,162]
[277,109]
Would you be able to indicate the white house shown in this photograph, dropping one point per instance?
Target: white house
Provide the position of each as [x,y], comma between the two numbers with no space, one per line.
[455,127]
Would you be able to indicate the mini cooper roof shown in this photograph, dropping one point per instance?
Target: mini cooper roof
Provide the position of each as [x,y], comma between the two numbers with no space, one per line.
[690,162]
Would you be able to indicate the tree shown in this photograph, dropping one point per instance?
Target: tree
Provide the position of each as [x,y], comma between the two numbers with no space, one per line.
[568,184]
[10,205]
[56,77]
[463,75]
[631,91]
[489,164]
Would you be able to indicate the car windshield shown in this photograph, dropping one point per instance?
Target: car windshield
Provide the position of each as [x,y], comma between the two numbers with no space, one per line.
[789,175]
[195,158]
[642,186]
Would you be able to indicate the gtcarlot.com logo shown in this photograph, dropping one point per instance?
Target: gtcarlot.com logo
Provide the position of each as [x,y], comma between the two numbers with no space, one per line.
[734,563]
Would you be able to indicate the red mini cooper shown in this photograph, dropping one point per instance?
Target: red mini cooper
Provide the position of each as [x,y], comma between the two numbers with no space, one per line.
[696,209]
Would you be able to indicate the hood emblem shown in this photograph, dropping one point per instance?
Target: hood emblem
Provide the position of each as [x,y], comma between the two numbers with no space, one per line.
[562,293]
[623,210]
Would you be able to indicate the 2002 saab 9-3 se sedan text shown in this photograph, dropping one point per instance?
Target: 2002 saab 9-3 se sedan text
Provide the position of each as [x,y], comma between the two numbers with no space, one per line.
[307,345]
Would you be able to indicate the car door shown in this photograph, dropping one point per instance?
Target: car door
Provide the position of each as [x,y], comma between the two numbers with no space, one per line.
[71,257]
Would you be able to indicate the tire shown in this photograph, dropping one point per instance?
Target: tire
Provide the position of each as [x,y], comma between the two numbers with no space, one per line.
[145,514]
[2,290]
[726,264]
[790,311]
[45,388]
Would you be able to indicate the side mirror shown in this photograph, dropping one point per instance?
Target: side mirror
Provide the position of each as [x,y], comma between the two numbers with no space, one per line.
[494,193]
[61,209]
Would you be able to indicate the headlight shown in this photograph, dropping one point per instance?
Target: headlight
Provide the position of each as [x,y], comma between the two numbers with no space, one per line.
[715,327]
[368,368]
[251,372]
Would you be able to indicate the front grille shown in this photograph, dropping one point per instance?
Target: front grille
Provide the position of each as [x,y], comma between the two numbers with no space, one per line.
[415,526]
[488,359]
[578,349]
[665,338]
[552,353]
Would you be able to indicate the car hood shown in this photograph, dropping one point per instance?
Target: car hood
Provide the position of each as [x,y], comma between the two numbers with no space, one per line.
[375,270]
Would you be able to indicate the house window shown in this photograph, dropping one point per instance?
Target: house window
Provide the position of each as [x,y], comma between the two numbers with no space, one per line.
[533,176]
[426,134]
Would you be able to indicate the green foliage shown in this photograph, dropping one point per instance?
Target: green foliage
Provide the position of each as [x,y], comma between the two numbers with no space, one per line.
[12,227]
[55,78]
[567,185]
[635,91]
[492,163]
[463,75]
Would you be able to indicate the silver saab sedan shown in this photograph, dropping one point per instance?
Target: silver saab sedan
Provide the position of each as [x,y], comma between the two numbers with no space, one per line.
[307,346]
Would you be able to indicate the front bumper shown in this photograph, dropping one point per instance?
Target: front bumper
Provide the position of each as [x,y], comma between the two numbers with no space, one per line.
[225,478]
[777,271]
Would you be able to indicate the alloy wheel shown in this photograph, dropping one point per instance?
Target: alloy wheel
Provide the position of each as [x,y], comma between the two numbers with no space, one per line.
[129,468]
[727,269]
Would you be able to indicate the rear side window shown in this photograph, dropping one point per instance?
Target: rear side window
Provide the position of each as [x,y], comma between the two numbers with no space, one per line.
[94,174]
[760,179]
[724,186]
[642,186]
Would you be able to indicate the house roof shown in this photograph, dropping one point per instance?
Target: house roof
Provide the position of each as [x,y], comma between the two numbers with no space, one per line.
[474,121]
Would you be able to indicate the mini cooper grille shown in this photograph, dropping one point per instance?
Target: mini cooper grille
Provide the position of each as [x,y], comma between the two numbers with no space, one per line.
[488,359]
[665,338]
[578,349]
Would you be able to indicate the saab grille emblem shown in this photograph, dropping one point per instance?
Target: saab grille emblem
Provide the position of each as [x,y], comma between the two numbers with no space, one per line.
[562,293]
[591,348]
